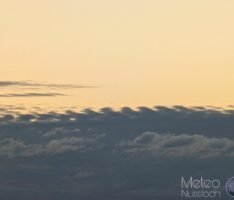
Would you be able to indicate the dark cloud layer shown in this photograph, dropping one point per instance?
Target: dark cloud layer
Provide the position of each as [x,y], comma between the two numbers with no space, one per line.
[110,155]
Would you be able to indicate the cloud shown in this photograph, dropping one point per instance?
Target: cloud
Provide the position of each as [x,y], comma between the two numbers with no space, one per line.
[42,85]
[16,148]
[178,145]
[110,155]
[32,95]
[32,86]
[177,120]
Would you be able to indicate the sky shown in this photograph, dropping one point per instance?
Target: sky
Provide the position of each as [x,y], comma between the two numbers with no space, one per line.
[135,53]
[115,99]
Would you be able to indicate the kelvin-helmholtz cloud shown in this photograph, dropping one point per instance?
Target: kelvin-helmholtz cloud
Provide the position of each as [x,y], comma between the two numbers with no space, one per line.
[127,154]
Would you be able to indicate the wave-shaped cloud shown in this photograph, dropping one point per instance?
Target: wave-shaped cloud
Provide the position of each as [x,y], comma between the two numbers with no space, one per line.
[178,120]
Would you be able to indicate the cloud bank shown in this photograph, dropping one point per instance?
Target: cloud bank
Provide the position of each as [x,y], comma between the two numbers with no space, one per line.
[127,154]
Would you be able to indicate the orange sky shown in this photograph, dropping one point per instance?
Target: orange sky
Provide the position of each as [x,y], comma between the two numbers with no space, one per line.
[140,53]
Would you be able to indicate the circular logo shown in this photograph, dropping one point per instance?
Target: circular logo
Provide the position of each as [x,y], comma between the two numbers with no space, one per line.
[230,186]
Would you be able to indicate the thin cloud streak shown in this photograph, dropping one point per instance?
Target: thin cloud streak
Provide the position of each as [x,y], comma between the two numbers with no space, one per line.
[31,95]
[43,85]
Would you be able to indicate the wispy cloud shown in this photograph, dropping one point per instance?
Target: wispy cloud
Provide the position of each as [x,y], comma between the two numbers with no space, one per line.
[42,85]
[30,87]
[31,95]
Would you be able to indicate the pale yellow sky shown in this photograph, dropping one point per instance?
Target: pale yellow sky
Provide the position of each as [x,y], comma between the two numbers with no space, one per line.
[142,52]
